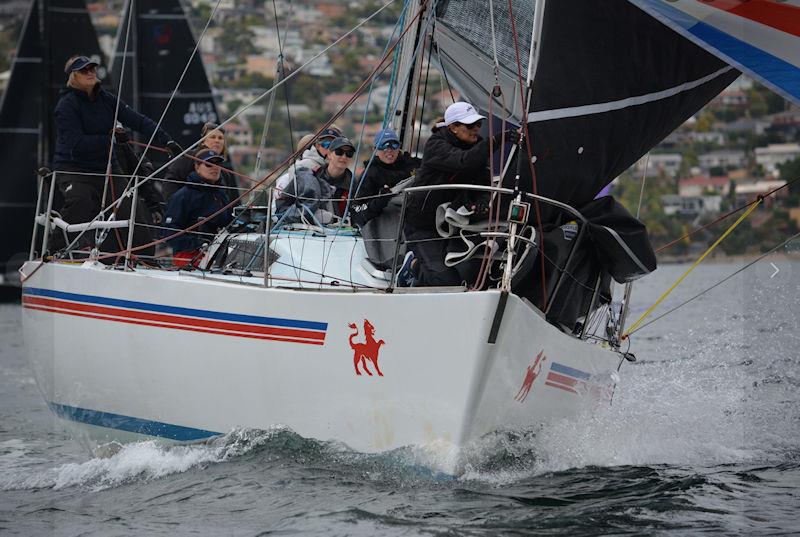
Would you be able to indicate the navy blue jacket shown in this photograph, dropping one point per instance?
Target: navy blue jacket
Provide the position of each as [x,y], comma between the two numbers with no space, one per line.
[84,129]
[195,201]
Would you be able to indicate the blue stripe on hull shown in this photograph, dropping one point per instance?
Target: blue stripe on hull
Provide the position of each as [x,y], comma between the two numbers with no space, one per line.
[129,424]
[190,312]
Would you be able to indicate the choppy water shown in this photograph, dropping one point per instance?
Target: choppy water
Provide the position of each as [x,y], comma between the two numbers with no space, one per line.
[703,436]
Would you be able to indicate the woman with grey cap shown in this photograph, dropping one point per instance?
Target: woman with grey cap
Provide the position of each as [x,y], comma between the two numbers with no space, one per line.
[84,119]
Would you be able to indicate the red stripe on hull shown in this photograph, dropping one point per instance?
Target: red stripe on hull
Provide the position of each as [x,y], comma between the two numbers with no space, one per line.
[560,387]
[561,379]
[128,320]
[175,319]
[783,17]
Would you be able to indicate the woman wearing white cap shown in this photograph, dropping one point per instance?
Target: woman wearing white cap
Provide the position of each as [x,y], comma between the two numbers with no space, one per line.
[455,153]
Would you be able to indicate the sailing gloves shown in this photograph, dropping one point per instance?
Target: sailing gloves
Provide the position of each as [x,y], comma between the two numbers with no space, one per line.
[120,136]
[510,136]
[174,148]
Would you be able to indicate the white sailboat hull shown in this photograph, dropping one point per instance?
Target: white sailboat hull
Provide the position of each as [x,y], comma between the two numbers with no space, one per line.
[180,357]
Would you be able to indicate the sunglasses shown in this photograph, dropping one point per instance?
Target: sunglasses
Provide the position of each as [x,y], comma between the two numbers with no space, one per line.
[389,145]
[325,144]
[477,125]
[348,152]
[88,69]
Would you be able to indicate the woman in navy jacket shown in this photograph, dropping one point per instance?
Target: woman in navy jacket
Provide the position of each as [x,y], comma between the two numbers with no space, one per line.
[84,119]
[197,200]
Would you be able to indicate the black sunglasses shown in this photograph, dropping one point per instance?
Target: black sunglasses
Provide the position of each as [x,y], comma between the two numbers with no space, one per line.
[477,125]
[389,145]
[348,152]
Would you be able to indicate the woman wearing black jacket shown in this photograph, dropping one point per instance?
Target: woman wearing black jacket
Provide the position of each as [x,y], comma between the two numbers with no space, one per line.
[454,154]
[84,119]
[384,172]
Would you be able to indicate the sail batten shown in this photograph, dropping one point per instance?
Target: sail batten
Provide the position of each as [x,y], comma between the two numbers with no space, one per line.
[599,108]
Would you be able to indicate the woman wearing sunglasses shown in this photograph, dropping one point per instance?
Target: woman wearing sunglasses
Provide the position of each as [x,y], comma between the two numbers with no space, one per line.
[178,172]
[84,120]
[312,158]
[197,199]
[455,153]
[383,172]
[322,193]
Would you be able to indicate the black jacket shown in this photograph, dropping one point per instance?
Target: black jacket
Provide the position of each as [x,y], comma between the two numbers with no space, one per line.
[377,175]
[84,129]
[180,169]
[446,160]
[194,201]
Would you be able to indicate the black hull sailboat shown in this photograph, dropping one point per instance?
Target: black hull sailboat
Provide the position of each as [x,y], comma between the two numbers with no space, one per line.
[53,31]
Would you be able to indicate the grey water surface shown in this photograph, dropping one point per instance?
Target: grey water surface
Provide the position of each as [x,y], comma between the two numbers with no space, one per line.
[703,436]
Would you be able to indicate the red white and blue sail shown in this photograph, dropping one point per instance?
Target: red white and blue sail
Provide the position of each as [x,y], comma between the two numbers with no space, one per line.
[759,37]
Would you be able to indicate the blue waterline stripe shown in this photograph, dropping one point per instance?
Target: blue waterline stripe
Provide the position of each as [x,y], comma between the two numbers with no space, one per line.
[566,370]
[191,312]
[127,423]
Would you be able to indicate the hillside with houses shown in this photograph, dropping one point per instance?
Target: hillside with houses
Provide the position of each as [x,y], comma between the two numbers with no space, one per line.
[744,144]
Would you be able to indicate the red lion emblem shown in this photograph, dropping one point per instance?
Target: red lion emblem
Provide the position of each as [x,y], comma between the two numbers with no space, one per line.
[530,376]
[365,351]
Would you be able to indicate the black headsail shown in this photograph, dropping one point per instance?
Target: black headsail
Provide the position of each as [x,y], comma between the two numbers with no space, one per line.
[610,84]
[160,43]
[53,31]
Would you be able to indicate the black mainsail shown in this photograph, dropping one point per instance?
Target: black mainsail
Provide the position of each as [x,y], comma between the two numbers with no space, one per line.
[159,44]
[53,31]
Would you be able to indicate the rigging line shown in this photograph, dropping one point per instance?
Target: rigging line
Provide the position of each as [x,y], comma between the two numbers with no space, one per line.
[280,166]
[420,46]
[444,71]
[694,265]
[395,63]
[526,131]
[698,295]
[100,234]
[424,95]
[140,181]
[724,216]
[282,68]
[278,75]
[384,56]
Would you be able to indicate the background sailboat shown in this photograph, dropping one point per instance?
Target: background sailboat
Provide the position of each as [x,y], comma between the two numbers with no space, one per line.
[53,31]
[160,43]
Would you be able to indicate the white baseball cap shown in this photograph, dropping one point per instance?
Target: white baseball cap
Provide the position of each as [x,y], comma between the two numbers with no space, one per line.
[461,112]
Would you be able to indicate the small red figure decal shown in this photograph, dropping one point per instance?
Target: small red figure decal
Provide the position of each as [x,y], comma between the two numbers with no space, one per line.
[365,351]
[530,376]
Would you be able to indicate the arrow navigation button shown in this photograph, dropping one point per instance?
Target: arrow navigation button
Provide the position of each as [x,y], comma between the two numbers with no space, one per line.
[777,270]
